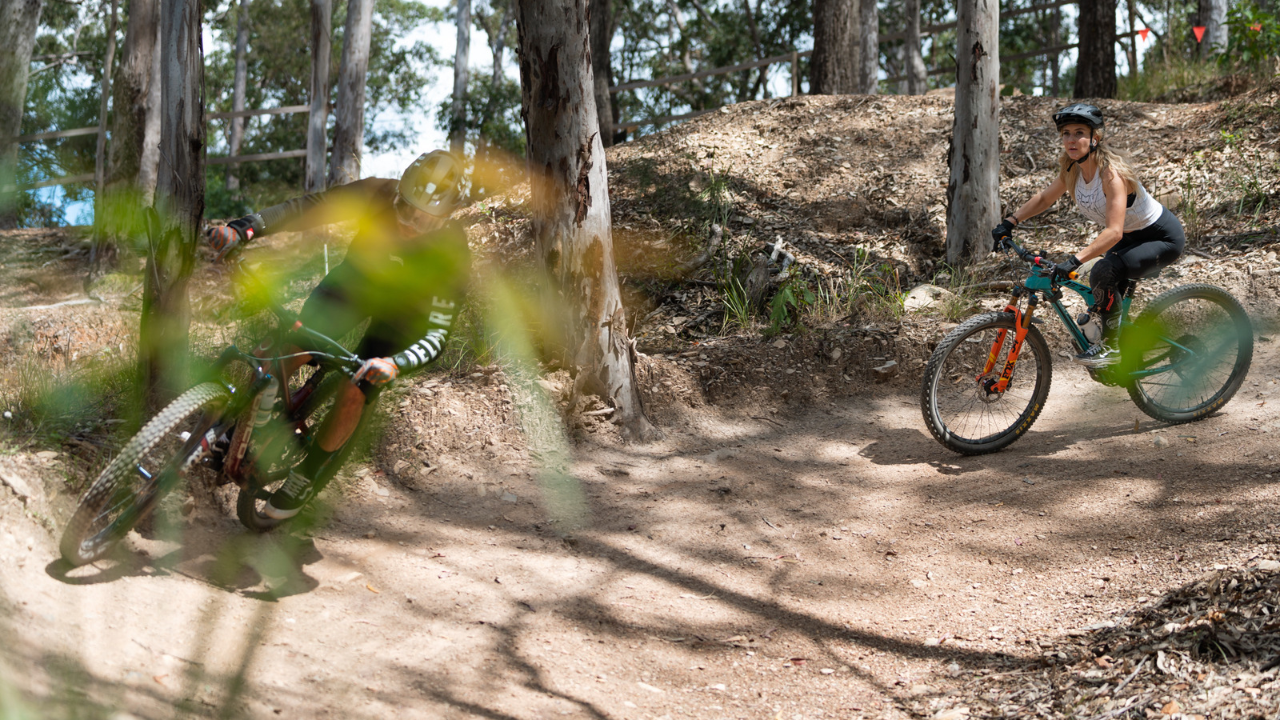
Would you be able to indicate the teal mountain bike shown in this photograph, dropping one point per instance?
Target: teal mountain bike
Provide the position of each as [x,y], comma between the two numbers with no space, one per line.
[1181,359]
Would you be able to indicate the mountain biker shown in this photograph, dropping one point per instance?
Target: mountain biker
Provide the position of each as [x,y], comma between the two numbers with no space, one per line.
[406,269]
[1139,236]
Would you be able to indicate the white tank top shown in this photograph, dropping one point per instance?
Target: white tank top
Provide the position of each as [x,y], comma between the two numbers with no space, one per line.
[1092,203]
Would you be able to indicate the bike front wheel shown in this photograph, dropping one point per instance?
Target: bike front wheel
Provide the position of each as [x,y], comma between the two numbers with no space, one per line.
[148,465]
[1187,353]
[961,406]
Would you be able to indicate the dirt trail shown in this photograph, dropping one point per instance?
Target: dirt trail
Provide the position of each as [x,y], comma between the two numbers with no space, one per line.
[832,562]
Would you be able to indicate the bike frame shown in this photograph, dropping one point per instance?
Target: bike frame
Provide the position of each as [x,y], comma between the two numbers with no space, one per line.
[1042,284]
[271,356]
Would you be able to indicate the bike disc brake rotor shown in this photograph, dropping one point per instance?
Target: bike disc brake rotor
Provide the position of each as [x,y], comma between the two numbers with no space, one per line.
[988,391]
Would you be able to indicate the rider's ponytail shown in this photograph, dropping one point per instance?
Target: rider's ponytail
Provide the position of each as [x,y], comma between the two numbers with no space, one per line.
[1107,157]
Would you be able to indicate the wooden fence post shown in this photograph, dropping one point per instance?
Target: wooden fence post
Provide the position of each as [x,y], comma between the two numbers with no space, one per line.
[795,74]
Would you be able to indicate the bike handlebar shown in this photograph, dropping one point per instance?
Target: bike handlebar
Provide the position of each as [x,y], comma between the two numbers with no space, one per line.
[1041,265]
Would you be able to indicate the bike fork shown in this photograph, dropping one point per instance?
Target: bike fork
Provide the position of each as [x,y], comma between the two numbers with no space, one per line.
[1022,325]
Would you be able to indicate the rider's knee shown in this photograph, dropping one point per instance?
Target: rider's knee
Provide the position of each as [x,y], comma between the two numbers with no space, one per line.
[1105,274]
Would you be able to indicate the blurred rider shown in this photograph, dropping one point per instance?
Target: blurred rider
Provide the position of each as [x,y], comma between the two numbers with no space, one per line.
[406,270]
[1139,236]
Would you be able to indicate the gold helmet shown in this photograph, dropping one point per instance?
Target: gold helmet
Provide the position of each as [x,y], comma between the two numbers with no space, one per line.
[431,183]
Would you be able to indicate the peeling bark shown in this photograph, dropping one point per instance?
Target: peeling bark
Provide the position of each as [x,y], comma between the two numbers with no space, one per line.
[570,202]
[973,193]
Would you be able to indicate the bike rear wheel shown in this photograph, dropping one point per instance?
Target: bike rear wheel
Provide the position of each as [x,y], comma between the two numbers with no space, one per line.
[958,407]
[147,467]
[276,450]
[1199,341]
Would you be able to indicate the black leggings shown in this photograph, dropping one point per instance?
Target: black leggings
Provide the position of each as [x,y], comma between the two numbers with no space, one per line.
[1139,254]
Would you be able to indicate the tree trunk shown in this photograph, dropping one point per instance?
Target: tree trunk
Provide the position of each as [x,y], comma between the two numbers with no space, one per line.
[1096,68]
[317,135]
[102,250]
[601,22]
[833,68]
[869,48]
[104,97]
[348,128]
[18,22]
[917,77]
[461,56]
[1054,34]
[570,202]
[498,46]
[149,170]
[166,316]
[973,193]
[237,93]
[133,105]
[1213,16]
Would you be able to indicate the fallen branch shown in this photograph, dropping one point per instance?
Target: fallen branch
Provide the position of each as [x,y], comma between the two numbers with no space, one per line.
[717,236]
[64,303]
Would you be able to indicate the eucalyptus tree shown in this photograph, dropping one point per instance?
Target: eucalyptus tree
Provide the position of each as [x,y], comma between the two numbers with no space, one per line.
[973,192]
[18,22]
[570,202]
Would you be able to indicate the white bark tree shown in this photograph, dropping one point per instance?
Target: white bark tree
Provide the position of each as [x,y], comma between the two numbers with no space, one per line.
[348,128]
[317,134]
[18,22]
[166,312]
[1213,15]
[973,193]
[136,98]
[461,61]
[602,64]
[570,203]
[869,48]
[238,87]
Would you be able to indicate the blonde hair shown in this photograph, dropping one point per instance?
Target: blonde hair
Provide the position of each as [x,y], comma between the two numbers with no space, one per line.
[1107,159]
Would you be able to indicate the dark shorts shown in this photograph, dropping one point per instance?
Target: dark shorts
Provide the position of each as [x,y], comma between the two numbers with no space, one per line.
[345,298]
[1140,254]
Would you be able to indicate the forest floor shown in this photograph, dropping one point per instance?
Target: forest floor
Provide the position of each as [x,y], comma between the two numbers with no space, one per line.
[797,546]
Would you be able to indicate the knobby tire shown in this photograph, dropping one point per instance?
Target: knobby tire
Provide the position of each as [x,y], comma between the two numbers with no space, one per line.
[947,372]
[1157,395]
[121,493]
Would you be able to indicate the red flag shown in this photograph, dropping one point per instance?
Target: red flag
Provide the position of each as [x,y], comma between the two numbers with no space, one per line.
[1256,28]
[1144,32]
[1199,31]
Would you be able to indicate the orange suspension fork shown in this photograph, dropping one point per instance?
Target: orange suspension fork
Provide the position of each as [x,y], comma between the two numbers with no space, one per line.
[1022,321]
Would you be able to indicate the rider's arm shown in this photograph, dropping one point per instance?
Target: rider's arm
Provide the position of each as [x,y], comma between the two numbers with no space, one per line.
[441,314]
[1114,188]
[338,204]
[1040,202]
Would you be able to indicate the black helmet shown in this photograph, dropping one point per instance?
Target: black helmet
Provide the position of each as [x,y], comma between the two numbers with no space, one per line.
[1081,113]
[431,183]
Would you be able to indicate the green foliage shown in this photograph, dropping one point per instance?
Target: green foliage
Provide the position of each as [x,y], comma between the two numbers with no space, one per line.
[62,93]
[737,305]
[788,303]
[493,113]
[1254,39]
[279,73]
